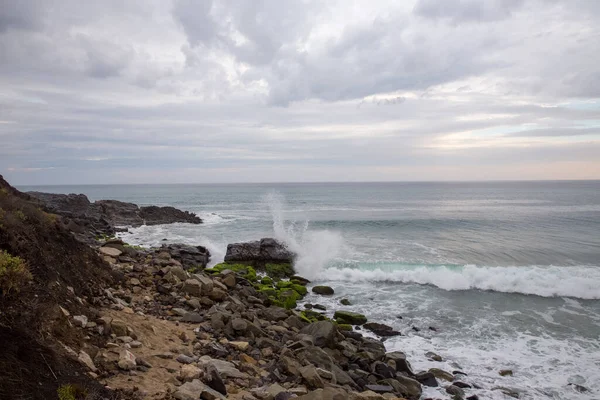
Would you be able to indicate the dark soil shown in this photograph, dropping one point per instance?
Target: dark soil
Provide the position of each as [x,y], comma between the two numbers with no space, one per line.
[33,364]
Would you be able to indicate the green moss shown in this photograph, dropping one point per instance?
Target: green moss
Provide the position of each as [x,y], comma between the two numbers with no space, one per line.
[21,215]
[14,273]
[279,271]
[301,290]
[289,298]
[344,327]
[312,316]
[298,282]
[284,284]
[71,392]
[245,271]
[268,290]
[347,317]
[266,280]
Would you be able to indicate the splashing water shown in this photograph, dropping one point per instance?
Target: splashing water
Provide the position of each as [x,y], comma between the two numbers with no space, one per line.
[315,249]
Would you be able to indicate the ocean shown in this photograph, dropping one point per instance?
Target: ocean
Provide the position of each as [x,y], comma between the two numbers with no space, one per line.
[508,273]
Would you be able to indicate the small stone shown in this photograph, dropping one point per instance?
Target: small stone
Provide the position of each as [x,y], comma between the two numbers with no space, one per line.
[242,346]
[189,372]
[134,282]
[506,372]
[135,344]
[182,358]
[80,321]
[110,251]
[455,391]
[119,327]
[247,359]
[345,302]
[229,280]
[239,324]
[126,360]
[432,356]
[462,385]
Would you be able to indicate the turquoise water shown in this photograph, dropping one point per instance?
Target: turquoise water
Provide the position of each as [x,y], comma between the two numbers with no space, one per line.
[508,272]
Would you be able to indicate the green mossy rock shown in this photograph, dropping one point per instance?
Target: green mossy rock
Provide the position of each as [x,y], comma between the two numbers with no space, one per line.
[345,302]
[284,284]
[303,291]
[279,271]
[266,280]
[347,317]
[268,290]
[245,271]
[312,316]
[344,327]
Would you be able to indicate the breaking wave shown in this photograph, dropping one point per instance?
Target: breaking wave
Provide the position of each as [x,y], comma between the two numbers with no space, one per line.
[547,281]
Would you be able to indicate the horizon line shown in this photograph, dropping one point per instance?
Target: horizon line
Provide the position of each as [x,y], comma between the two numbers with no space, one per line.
[312,182]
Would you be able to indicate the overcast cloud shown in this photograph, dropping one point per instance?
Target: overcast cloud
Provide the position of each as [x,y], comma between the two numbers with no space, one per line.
[150,91]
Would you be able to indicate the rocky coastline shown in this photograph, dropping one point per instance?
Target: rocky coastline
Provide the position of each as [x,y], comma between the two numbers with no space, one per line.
[103,218]
[166,326]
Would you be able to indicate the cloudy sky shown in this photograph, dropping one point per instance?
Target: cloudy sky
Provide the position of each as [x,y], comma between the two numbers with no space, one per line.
[144,91]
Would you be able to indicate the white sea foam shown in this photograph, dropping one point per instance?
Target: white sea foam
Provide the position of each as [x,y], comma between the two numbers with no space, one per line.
[547,281]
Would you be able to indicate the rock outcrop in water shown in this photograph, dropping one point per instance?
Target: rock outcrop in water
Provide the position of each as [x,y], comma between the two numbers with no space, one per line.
[103,216]
[259,252]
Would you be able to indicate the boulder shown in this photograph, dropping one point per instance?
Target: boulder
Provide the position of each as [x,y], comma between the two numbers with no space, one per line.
[411,388]
[348,317]
[455,391]
[402,364]
[274,313]
[214,380]
[193,287]
[427,379]
[260,251]
[323,290]
[110,251]
[225,368]
[323,333]
[190,257]
[433,356]
[441,374]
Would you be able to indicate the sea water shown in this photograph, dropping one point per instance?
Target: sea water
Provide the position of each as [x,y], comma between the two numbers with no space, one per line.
[506,273]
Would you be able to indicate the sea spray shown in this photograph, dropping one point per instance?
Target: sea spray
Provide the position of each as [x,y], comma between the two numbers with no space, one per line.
[314,249]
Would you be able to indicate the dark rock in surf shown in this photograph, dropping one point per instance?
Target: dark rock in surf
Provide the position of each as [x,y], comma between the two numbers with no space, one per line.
[381,329]
[259,252]
[323,290]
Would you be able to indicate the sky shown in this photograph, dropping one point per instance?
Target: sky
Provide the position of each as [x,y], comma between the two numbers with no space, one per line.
[201,91]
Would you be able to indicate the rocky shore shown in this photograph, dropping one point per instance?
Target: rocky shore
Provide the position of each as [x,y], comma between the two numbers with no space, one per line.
[159,324]
[103,218]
